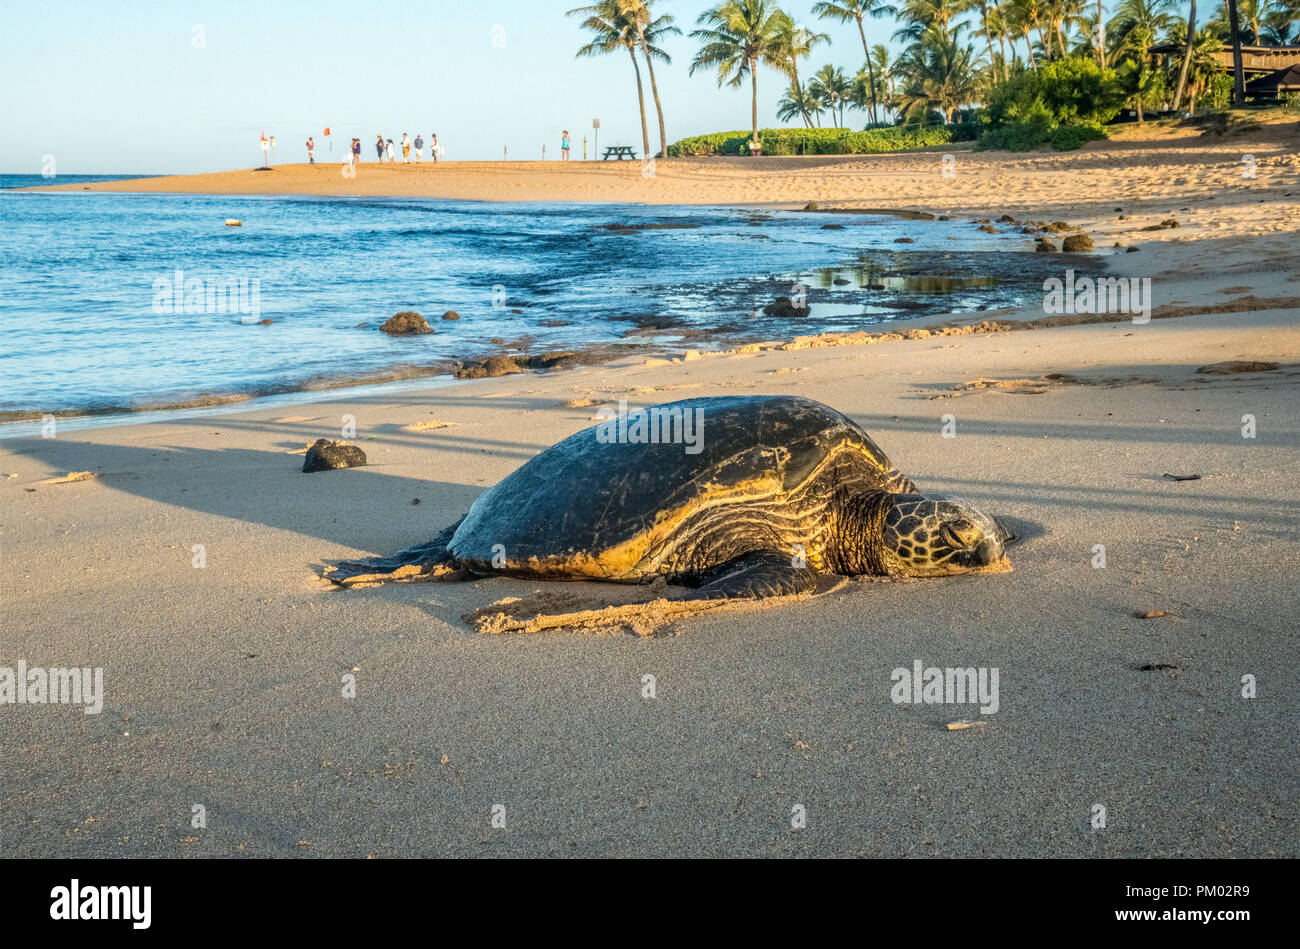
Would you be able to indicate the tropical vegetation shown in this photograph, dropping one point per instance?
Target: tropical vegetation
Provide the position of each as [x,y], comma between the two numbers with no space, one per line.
[1026,73]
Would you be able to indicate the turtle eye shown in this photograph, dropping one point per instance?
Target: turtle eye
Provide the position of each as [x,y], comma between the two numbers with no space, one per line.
[959,533]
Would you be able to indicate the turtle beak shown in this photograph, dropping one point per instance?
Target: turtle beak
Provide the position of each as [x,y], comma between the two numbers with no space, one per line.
[988,551]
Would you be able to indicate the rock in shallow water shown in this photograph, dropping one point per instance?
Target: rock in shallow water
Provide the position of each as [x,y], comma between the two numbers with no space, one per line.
[406,323]
[785,307]
[326,455]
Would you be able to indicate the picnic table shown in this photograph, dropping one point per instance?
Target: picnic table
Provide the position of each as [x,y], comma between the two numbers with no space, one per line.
[619,152]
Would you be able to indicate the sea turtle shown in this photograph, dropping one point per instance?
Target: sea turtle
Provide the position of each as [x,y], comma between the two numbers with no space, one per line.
[739,496]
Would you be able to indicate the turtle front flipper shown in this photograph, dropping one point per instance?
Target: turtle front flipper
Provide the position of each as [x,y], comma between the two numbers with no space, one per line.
[754,575]
[423,562]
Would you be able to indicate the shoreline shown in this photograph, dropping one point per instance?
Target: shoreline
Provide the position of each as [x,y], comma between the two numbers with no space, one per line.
[23,424]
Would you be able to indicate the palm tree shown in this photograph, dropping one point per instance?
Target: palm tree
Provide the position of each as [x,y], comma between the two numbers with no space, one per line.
[1022,16]
[845,10]
[647,26]
[796,42]
[1139,22]
[1238,79]
[800,102]
[832,88]
[1205,68]
[614,30]
[988,29]
[938,73]
[738,35]
[1187,57]
[1137,79]
[880,59]
[1282,27]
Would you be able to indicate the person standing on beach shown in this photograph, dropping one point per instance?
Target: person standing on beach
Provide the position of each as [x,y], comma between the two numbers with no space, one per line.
[389,148]
[419,147]
[356,154]
[379,148]
[433,146]
[311,147]
[406,149]
[564,146]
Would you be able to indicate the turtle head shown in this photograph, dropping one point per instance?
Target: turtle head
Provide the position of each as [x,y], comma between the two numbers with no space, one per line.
[937,536]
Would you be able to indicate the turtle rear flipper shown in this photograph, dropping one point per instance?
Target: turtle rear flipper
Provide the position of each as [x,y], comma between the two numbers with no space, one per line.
[423,562]
[754,575]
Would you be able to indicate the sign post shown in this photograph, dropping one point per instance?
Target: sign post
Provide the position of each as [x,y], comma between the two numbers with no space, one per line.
[595,150]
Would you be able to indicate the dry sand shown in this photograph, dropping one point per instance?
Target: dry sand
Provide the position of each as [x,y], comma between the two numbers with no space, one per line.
[223,683]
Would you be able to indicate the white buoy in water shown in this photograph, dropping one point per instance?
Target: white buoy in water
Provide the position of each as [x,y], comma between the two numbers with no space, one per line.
[232,222]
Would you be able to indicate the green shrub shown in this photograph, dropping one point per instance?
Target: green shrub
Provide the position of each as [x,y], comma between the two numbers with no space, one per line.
[825,141]
[1066,138]
[1029,131]
[1072,91]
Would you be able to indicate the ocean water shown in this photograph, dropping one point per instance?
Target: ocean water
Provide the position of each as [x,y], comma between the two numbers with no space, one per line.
[98,310]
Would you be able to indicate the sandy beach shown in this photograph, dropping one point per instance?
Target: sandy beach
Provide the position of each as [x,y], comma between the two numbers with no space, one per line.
[222,684]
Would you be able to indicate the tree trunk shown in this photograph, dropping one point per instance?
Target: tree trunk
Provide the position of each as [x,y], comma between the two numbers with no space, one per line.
[1029,45]
[654,90]
[1238,79]
[640,98]
[871,73]
[988,36]
[1187,58]
[1002,41]
[753,78]
[1101,37]
[794,69]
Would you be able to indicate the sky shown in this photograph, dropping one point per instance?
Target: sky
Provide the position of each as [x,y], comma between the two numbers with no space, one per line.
[147,86]
[135,86]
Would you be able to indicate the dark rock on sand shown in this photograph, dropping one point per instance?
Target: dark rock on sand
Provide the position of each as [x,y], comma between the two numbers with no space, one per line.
[1077,244]
[1006,219]
[1235,366]
[326,455]
[1163,225]
[1130,249]
[494,366]
[1045,246]
[988,228]
[490,367]
[1057,227]
[406,323]
[812,206]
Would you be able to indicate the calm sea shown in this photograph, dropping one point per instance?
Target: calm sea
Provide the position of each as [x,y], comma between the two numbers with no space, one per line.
[98,306]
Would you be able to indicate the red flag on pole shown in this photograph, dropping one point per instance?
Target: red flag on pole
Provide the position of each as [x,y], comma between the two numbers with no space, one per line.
[327,131]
